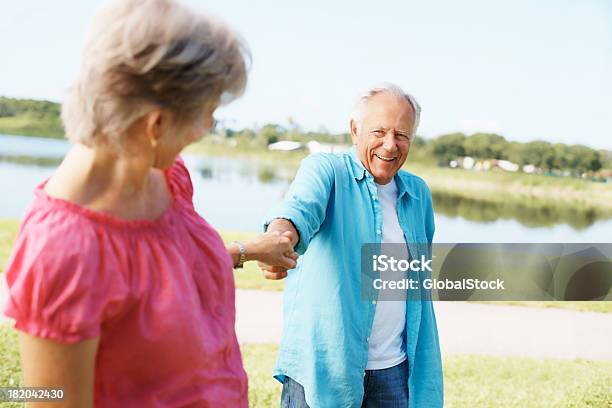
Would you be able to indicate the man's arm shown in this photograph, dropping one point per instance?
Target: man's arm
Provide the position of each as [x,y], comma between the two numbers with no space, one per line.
[303,210]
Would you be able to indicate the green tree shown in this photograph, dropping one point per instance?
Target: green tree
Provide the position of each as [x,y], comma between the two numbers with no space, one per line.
[418,142]
[485,146]
[539,153]
[581,159]
[606,158]
[448,147]
[270,133]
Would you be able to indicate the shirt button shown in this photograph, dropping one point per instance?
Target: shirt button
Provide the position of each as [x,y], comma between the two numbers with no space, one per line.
[373,302]
[378,232]
[374,198]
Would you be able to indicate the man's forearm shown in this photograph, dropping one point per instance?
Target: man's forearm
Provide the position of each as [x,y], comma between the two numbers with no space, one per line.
[283,225]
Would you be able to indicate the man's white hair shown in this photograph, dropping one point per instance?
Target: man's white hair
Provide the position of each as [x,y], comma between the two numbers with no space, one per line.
[359,110]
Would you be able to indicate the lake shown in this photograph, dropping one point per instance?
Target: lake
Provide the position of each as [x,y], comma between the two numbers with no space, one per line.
[235,194]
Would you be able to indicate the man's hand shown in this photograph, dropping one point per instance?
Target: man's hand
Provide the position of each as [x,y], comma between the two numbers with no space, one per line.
[282,225]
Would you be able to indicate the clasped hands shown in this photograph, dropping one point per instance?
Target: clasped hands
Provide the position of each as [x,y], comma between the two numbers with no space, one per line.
[273,249]
[275,253]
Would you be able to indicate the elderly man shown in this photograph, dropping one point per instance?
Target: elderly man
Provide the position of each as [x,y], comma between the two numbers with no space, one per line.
[339,349]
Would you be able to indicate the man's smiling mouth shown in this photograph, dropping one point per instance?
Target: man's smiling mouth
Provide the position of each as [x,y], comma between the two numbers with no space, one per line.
[383,158]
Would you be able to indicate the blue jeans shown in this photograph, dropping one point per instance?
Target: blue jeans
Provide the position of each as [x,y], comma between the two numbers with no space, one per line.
[386,388]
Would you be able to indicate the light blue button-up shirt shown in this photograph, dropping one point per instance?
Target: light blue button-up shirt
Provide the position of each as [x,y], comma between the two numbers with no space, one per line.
[327,322]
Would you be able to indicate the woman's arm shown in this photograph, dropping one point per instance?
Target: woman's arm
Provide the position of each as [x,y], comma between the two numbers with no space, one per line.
[48,363]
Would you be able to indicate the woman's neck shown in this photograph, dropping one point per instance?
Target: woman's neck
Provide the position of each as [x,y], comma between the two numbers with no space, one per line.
[121,184]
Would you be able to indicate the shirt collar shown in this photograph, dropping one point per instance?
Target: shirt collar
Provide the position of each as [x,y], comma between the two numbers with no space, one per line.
[360,172]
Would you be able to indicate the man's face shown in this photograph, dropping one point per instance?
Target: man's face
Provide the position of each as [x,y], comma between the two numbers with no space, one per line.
[383,137]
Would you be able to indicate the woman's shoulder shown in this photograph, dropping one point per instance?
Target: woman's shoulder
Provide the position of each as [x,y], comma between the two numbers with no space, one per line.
[179,179]
[48,218]
[53,235]
[53,275]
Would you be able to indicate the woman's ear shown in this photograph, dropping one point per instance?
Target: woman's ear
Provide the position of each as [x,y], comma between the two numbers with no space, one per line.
[154,125]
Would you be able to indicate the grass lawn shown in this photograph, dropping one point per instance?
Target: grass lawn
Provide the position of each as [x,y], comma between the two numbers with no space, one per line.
[10,369]
[470,381]
[8,231]
[480,381]
[28,125]
[598,307]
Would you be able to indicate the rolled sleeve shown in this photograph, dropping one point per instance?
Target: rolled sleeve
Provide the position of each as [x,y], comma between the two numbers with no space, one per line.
[306,201]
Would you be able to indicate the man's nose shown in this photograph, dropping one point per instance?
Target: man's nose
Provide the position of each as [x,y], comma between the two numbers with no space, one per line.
[389,142]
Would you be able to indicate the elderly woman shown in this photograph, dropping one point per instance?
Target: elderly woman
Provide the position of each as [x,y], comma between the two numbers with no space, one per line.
[123,294]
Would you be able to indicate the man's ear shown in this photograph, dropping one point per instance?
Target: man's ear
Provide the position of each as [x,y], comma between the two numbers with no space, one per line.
[154,123]
[354,131]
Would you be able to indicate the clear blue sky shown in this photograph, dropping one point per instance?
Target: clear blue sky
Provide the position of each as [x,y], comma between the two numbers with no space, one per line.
[525,69]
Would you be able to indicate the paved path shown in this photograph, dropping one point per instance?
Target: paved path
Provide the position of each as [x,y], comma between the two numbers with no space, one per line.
[463,327]
[467,328]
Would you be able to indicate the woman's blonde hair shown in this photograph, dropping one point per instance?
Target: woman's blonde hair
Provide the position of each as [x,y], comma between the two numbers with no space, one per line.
[143,54]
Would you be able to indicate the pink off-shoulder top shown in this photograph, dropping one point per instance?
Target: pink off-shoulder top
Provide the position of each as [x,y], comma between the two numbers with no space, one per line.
[159,294]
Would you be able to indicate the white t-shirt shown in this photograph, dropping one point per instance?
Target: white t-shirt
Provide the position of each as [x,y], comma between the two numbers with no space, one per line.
[386,345]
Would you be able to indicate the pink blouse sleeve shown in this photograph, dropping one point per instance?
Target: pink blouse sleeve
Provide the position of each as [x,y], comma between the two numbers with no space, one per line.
[61,284]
